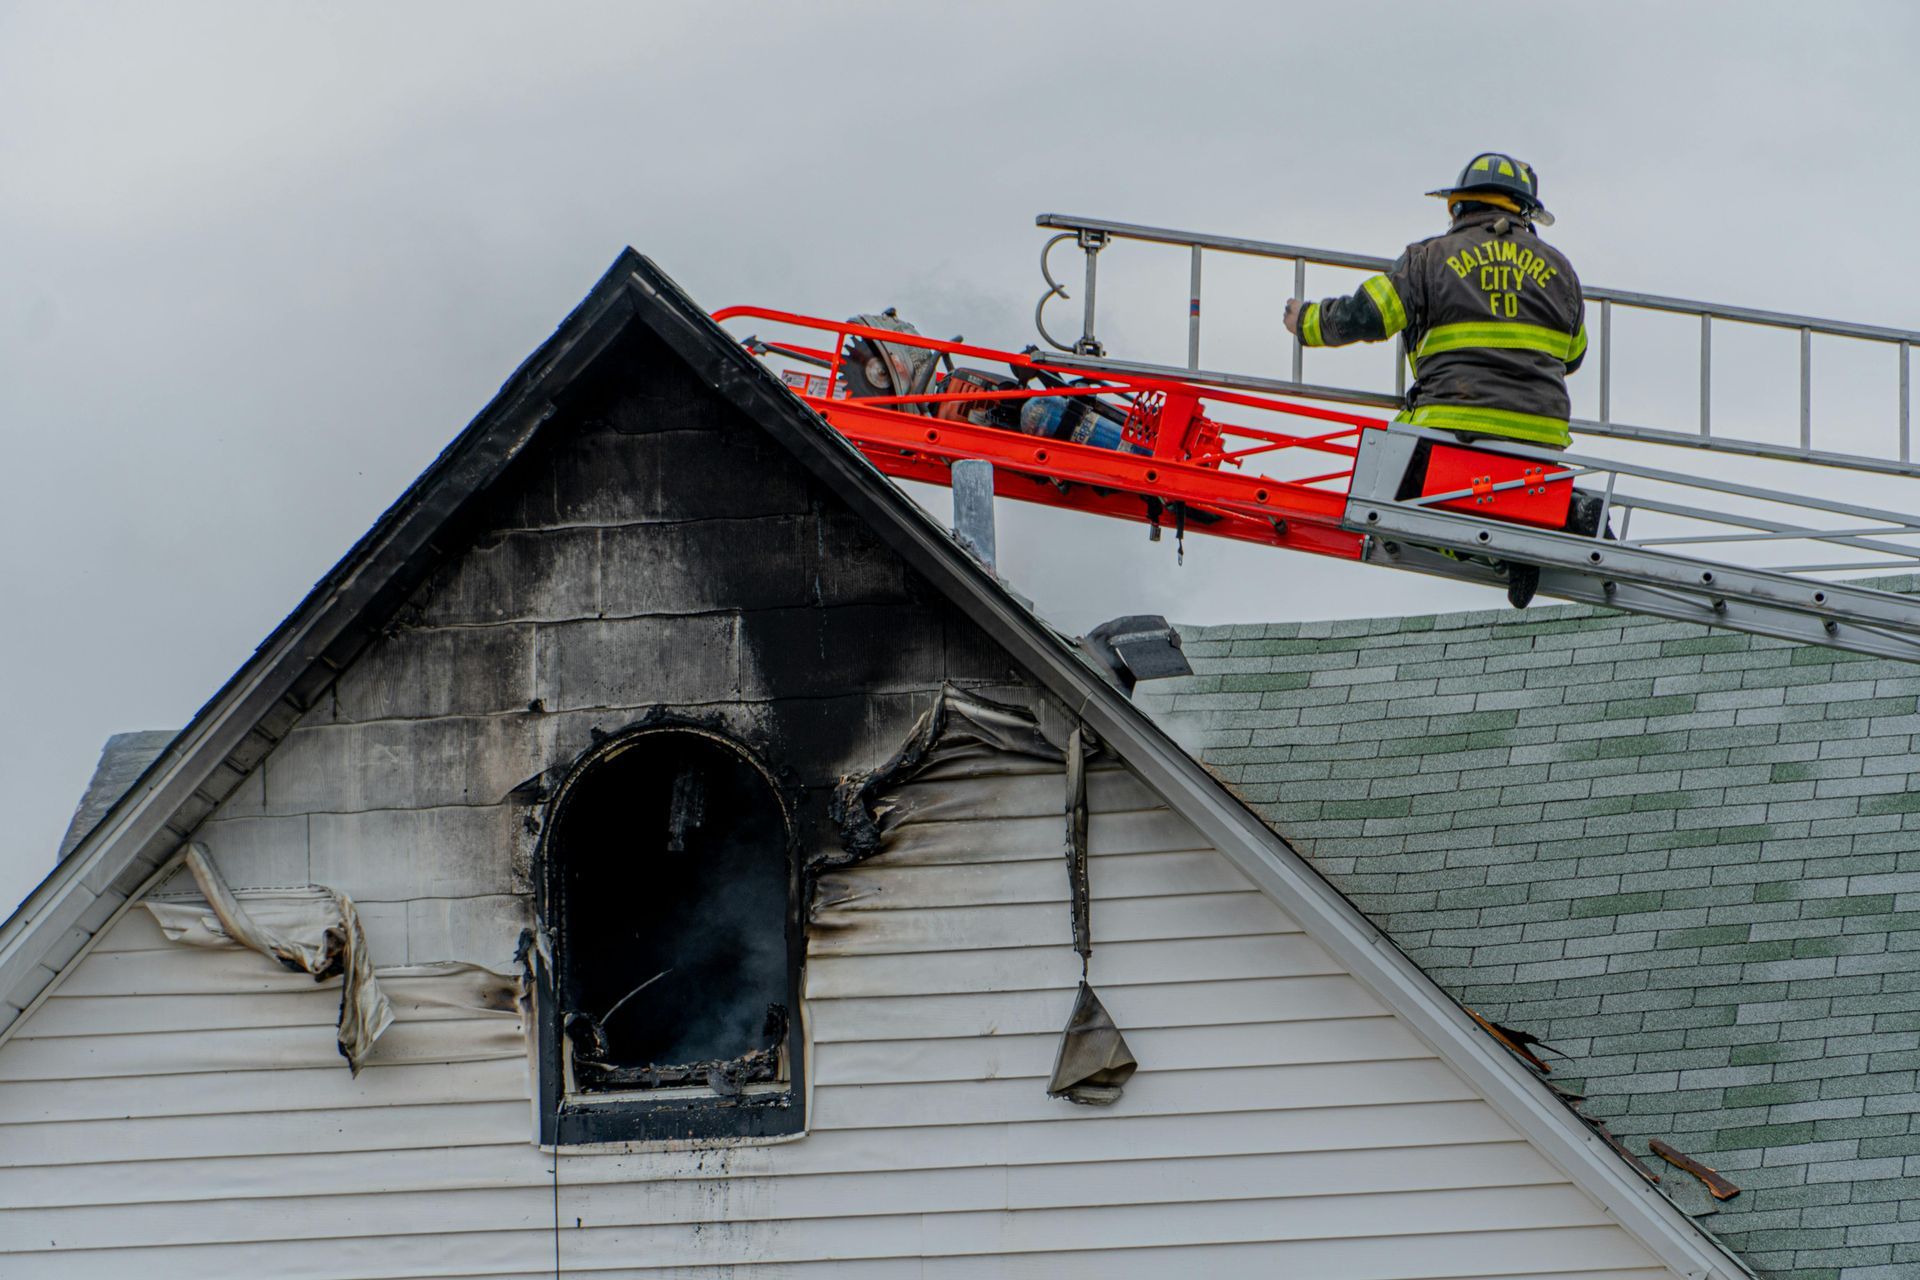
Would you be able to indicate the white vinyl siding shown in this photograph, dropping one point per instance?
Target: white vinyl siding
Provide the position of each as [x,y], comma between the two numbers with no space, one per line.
[172,1112]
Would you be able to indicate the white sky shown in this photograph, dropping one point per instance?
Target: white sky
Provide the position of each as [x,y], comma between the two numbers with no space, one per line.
[263,260]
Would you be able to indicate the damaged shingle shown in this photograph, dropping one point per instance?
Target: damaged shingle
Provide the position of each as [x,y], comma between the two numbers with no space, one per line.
[1717,1186]
[1521,1043]
[1606,1136]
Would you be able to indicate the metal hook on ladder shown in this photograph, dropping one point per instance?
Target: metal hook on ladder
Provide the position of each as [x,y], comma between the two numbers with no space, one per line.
[1092,242]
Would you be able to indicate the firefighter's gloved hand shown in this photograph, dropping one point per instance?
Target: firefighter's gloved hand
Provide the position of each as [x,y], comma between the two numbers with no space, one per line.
[1293,315]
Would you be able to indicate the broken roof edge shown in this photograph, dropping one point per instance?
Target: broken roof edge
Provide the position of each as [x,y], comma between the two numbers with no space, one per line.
[145,830]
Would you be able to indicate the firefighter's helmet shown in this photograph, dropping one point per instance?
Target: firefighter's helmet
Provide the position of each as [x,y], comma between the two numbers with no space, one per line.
[1492,171]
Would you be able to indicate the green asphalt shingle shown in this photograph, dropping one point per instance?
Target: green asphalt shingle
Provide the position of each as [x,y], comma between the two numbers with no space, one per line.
[1688,858]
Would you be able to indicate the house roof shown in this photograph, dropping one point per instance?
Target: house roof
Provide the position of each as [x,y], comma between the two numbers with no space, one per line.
[122,760]
[1682,855]
[142,831]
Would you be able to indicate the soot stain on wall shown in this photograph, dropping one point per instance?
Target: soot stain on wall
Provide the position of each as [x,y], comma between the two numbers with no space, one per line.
[677,566]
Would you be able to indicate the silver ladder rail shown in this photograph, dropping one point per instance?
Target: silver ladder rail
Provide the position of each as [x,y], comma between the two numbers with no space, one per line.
[1092,235]
[1659,574]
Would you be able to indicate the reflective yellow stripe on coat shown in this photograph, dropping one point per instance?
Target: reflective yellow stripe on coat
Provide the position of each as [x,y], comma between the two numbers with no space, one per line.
[1508,424]
[1392,313]
[1504,335]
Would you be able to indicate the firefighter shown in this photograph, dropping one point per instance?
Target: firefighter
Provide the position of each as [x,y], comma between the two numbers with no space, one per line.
[1490,316]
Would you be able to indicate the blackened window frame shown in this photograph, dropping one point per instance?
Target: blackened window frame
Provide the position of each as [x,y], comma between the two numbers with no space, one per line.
[634,1116]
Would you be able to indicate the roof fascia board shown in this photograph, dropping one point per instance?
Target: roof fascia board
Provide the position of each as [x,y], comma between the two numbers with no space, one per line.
[138,821]
[1259,853]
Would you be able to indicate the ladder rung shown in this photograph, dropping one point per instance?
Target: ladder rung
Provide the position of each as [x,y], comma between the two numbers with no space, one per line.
[1580,426]
[1094,234]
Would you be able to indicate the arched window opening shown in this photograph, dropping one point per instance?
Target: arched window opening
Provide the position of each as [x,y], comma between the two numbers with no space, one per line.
[670,885]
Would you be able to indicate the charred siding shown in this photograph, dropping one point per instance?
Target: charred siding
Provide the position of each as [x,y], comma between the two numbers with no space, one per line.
[658,552]
[1283,1121]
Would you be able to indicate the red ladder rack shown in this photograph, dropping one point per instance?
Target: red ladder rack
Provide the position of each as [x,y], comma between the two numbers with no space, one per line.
[1192,467]
[1231,462]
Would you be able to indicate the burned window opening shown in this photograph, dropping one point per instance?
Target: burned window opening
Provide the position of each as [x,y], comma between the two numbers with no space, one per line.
[669,894]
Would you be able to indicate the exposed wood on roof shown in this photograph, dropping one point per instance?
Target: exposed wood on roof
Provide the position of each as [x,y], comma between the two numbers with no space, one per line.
[1717,1186]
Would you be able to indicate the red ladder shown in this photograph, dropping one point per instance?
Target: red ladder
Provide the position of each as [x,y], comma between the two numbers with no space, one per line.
[1222,461]
[1191,468]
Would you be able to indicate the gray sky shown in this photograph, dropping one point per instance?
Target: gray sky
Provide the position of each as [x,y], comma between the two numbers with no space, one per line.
[263,260]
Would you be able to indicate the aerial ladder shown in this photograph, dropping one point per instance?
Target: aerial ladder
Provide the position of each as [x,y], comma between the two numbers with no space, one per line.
[1320,468]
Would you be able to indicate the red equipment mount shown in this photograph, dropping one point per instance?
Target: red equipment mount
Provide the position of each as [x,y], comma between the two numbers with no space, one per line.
[1178,464]
[1141,443]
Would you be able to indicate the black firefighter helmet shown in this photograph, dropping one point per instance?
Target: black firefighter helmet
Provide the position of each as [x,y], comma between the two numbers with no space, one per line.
[1492,171]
